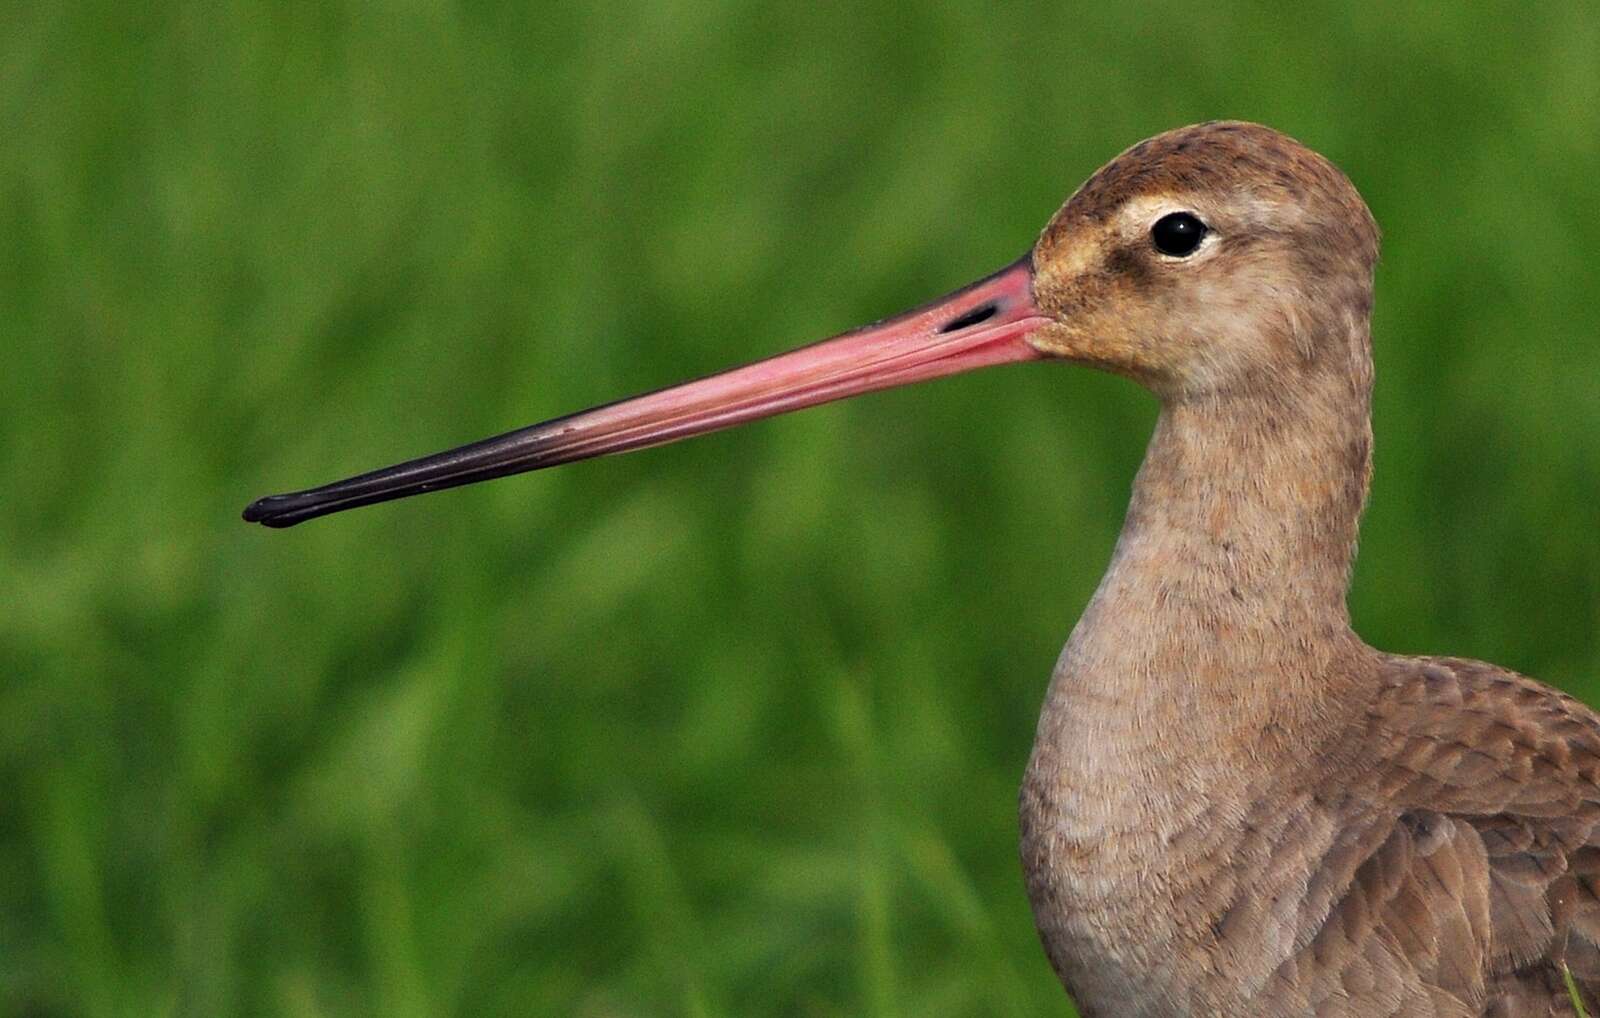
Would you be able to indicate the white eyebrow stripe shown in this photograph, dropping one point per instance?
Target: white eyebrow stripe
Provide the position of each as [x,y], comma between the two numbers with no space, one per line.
[1139,213]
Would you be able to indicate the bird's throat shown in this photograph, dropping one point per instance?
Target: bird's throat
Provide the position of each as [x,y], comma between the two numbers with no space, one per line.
[1213,664]
[1223,608]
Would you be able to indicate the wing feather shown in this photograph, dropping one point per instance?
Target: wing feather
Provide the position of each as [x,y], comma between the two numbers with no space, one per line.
[1485,882]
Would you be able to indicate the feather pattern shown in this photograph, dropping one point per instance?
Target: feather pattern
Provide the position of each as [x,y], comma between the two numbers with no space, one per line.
[1234,805]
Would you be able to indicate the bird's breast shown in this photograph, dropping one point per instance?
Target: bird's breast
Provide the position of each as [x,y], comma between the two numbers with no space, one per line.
[1164,881]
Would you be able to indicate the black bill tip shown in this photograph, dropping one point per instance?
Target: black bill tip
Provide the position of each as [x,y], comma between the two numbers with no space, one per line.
[511,453]
[279,511]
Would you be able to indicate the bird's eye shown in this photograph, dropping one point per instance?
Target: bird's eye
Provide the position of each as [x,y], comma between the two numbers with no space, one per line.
[1178,234]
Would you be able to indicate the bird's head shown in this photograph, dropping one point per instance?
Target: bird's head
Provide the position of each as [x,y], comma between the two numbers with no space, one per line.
[1207,258]
[1212,258]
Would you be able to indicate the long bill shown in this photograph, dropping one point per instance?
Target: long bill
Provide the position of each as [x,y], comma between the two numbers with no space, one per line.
[983,324]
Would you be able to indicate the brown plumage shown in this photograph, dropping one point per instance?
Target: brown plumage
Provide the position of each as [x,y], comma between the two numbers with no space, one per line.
[1234,806]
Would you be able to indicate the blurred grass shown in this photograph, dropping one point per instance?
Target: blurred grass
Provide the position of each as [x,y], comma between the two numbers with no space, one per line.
[729,728]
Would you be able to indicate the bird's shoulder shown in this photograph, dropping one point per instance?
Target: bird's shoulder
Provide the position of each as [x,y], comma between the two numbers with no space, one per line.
[1473,838]
[1465,737]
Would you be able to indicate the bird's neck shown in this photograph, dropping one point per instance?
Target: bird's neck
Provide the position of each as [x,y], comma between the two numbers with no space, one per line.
[1223,610]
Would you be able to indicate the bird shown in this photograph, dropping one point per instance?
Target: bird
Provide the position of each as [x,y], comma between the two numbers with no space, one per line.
[1234,806]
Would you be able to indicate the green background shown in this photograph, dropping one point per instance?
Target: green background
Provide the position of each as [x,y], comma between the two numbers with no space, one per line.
[731,728]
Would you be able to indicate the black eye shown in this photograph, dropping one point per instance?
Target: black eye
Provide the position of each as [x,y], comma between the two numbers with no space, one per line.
[1178,234]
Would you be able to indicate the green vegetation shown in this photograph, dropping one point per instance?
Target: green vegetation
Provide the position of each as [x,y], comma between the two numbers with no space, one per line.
[1572,992]
[731,728]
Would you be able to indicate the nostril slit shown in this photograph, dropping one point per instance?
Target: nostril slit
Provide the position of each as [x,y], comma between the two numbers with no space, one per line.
[981,313]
